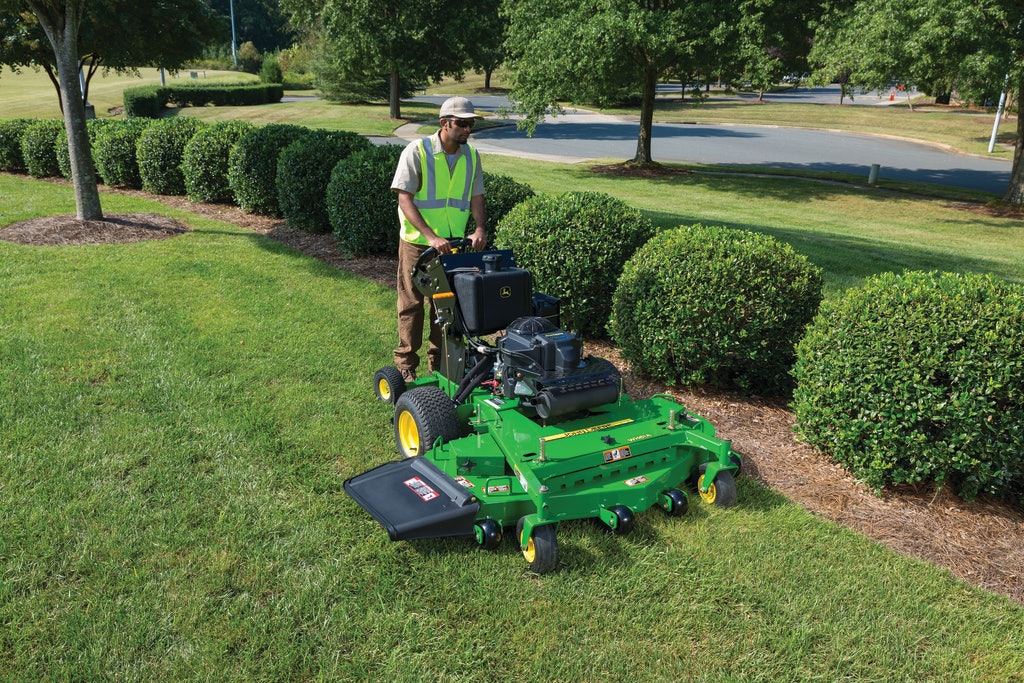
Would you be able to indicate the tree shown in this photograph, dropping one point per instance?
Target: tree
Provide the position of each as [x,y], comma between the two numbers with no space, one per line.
[599,50]
[971,47]
[260,21]
[485,46]
[772,38]
[64,36]
[390,41]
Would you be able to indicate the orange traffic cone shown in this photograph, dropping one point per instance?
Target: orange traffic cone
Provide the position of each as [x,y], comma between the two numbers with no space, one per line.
[892,94]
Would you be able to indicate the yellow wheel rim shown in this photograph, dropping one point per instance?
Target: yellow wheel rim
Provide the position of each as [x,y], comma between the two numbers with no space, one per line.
[708,496]
[384,389]
[530,551]
[408,434]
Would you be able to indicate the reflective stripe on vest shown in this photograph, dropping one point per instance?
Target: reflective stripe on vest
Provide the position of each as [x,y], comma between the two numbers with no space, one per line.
[447,211]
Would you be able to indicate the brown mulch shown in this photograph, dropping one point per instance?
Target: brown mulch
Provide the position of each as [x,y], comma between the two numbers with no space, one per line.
[980,542]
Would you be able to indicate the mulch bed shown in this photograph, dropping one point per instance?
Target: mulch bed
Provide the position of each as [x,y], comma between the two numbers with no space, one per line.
[980,542]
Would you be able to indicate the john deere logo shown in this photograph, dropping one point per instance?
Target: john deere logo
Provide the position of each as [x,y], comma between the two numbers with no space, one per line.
[505,293]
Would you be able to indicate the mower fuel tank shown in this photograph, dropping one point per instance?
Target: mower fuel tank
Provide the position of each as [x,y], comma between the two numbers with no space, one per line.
[493,297]
[414,499]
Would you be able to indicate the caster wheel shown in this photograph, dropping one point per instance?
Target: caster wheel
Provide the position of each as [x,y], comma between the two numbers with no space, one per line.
[388,384]
[677,503]
[488,534]
[541,551]
[721,492]
[625,521]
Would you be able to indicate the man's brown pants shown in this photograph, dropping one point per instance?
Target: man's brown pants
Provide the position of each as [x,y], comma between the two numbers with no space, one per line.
[410,314]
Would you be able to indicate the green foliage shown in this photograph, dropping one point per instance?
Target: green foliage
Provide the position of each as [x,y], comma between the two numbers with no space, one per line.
[362,207]
[502,193]
[270,72]
[919,377]
[115,152]
[37,148]
[11,133]
[147,101]
[249,58]
[198,94]
[160,149]
[576,244]
[204,163]
[61,146]
[304,170]
[712,305]
[252,166]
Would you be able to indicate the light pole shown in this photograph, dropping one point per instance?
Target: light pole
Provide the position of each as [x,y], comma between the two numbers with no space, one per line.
[234,55]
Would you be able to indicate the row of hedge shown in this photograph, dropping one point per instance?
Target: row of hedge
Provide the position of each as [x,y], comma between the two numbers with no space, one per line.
[909,378]
[150,100]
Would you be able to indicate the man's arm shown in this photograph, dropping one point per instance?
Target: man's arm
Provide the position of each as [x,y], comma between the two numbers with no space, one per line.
[479,211]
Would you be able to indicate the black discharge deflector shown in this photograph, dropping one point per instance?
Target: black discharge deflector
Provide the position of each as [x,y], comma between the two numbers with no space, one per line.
[414,499]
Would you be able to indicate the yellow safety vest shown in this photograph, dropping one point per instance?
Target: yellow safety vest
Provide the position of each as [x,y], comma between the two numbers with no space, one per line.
[443,198]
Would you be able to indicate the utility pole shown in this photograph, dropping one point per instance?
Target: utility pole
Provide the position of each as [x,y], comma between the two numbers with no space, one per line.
[234,54]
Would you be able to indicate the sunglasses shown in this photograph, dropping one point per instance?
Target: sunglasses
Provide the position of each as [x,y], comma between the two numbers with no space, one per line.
[462,123]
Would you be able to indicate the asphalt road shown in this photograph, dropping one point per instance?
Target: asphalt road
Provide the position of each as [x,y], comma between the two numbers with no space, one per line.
[580,136]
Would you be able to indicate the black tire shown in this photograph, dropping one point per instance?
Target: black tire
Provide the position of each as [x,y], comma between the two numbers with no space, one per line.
[541,550]
[388,384]
[678,503]
[423,414]
[722,491]
[625,518]
[488,534]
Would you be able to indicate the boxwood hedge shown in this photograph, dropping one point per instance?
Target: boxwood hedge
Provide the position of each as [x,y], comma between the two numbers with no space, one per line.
[919,377]
[361,205]
[716,306]
[252,166]
[160,149]
[37,147]
[204,163]
[304,170]
[115,152]
[576,244]
[64,153]
[502,193]
[11,133]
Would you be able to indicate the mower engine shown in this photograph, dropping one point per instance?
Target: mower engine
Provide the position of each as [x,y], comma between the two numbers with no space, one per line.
[542,366]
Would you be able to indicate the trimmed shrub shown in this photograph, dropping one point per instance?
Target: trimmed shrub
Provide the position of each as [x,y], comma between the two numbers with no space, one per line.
[204,163]
[115,152]
[502,193]
[160,149]
[64,153]
[147,101]
[919,377]
[362,207]
[304,170]
[11,133]
[576,245]
[270,72]
[252,166]
[717,306]
[37,148]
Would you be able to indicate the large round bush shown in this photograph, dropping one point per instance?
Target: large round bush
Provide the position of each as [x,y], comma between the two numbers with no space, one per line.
[115,152]
[919,377]
[716,306]
[362,207]
[576,245]
[303,171]
[204,163]
[502,193]
[160,150]
[37,148]
[252,166]
[11,133]
[63,152]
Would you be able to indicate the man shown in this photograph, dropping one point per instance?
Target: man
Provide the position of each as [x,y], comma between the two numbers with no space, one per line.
[440,186]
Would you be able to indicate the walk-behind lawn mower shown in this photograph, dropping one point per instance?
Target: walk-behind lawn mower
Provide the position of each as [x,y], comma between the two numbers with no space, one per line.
[521,430]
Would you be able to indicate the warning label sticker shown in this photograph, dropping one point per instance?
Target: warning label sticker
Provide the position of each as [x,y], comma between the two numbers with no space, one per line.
[501,488]
[465,482]
[617,454]
[637,480]
[421,489]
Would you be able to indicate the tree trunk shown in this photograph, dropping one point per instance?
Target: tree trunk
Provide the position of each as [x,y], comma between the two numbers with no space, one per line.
[643,142]
[1015,190]
[61,29]
[487,79]
[393,100]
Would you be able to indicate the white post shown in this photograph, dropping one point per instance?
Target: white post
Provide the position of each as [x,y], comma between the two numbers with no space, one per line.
[234,55]
[999,113]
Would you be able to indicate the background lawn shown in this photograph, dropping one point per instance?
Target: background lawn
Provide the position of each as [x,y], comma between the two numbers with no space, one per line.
[176,420]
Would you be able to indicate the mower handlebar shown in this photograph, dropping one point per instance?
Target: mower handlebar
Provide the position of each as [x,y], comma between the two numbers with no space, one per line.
[430,252]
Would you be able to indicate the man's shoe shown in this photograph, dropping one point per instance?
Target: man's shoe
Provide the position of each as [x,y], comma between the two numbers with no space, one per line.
[409,375]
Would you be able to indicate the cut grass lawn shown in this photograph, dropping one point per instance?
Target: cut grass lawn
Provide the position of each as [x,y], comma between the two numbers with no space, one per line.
[176,419]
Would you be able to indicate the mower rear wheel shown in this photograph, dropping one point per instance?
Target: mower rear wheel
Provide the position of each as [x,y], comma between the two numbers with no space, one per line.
[678,503]
[422,415]
[541,551]
[389,384]
[721,492]
[488,534]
